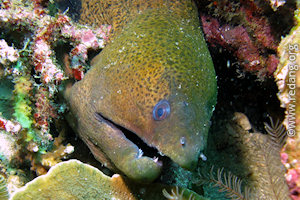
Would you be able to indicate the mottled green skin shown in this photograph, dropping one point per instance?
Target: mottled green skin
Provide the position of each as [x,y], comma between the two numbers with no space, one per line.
[157,56]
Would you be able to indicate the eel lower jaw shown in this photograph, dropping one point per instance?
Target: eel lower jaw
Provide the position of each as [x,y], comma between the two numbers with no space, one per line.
[144,148]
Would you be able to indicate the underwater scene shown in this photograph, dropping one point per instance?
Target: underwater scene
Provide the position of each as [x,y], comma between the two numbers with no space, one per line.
[149,100]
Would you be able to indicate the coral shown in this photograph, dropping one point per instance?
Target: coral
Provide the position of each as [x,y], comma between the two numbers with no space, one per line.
[16,179]
[36,73]
[83,40]
[7,53]
[3,189]
[47,31]
[23,113]
[75,180]
[22,103]
[275,4]
[289,96]
[246,32]
[44,110]
[44,65]
[290,155]
[285,75]
[9,126]
[9,149]
[58,152]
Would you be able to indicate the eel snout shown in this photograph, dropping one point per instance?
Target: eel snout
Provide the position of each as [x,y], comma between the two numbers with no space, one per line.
[130,154]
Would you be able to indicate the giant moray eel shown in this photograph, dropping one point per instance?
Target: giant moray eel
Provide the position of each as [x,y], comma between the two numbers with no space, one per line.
[154,79]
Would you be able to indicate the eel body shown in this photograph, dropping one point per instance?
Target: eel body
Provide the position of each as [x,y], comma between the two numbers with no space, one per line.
[155,79]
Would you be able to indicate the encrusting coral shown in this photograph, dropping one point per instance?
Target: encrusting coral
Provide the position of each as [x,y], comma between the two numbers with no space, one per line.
[243,28]
[286,73]
[7,53]
[28,61]
[290,155]
[9,126]
[9,149]
[74,180]
[288,82]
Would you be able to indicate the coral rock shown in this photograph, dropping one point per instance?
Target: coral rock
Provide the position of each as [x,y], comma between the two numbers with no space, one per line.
[74,180]
[9,149]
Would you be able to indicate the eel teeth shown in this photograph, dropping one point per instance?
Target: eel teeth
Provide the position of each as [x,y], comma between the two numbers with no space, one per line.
[155,159]
[140,153]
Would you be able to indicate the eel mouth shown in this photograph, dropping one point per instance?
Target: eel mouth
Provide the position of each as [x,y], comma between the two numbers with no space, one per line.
[144,148]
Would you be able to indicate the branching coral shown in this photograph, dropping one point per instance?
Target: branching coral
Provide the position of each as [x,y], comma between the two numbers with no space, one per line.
[52,157]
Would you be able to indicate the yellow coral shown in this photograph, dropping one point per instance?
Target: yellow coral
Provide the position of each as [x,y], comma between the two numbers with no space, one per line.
[74,180]
[51,158]
[23,85]
[22,108]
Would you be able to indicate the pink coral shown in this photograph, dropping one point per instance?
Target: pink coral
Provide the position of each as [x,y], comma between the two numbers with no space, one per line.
[250,40]
[290,155]
[42,32]
[293,180]
[292,176]
[7,53]
[44,64]
[9,126]
[46,30]
[232,38]
[44,111]
[284,157]
[83,40]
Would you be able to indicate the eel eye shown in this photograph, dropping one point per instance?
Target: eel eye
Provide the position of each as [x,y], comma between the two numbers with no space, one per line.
[161,110]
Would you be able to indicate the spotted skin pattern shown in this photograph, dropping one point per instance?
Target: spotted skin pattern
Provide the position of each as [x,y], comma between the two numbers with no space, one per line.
[158,55]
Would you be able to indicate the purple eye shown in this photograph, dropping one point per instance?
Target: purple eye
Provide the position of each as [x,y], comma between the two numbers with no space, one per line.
[161,110]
